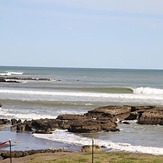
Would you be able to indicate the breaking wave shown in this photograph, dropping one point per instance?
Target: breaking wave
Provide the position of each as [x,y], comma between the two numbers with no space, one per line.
[9,73]
[148,91]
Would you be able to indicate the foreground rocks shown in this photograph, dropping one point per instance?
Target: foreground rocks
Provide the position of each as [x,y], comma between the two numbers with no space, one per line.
[100,119]
[17,154]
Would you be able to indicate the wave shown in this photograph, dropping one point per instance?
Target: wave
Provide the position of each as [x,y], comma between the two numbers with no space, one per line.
[109,89]
[138,97]
[140,90]
[9,73]
[70,138]
[148,91]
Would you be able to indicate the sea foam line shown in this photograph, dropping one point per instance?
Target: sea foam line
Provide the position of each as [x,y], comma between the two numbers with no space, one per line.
[65,137]
[10,73]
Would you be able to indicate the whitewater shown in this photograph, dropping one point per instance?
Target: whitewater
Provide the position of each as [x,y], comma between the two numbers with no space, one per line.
[70,138]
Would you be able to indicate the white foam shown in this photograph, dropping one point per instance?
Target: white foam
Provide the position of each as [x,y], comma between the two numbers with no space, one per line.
[9,73]
[65,137]
[148,91]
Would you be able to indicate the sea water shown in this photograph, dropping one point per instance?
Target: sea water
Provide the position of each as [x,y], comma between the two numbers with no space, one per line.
[77,90]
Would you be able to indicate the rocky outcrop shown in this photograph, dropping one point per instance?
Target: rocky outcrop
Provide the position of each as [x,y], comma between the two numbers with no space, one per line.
[71,122]
[114,112]
[92,125]
[100,119]
[151,117]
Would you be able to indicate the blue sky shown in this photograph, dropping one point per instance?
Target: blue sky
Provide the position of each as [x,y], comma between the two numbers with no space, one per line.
[82,33]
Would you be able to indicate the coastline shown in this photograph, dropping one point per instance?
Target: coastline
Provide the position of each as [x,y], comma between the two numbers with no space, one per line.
[47,136]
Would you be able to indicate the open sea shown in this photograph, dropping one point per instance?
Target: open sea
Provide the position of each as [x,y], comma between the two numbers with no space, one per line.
[75,91]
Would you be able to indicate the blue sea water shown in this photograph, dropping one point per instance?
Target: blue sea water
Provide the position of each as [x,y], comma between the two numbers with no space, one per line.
[77,90]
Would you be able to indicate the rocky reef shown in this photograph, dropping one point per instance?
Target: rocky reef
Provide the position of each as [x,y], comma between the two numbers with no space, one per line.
[100,119]
[18,80]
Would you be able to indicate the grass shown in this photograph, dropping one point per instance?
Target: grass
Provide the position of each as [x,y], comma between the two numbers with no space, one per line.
[99,157]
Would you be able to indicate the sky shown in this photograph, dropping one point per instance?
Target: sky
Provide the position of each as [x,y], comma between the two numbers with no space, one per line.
[82,33]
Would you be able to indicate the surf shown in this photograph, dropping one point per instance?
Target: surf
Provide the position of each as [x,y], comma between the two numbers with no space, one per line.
[65,137]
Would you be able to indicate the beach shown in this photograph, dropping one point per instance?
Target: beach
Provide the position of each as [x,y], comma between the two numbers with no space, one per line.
[77,91]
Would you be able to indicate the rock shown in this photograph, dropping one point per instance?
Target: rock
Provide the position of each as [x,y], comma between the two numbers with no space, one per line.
[4,121]
[88,148]
[86,126]
[114,112]
[125,122]
[45,124]
[17,154]
[132,116]
[71,117]
[92,125]
[152,117]
[2,79]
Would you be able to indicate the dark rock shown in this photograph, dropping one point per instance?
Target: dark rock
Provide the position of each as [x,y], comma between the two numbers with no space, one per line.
[2,79]
[92,125]
[4,121]
[132,116]
[124,122]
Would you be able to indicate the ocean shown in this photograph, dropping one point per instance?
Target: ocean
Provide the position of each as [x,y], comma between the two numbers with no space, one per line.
[76,91]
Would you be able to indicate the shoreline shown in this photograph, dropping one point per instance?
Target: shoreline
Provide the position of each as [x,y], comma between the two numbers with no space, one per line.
[100,119]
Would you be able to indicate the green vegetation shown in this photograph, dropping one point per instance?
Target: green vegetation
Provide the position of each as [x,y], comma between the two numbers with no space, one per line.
[99,157]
